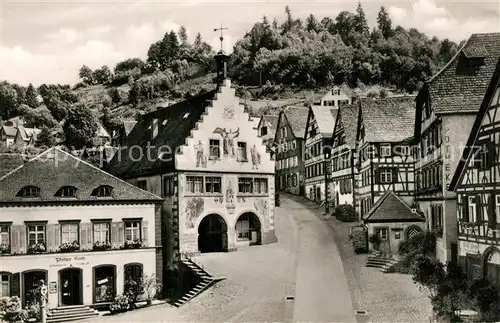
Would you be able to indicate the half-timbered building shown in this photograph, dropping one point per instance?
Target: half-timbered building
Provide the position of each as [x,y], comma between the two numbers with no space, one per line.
[446,107]
[385,131]
[318,135]
[343,154]
[205,158]
[267,130]
[289,141]
[477,184]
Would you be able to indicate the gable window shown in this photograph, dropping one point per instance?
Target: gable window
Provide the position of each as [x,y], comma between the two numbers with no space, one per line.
[66,191]
[101,232]
[385,150]
[285,147]
[4,238]
[36,235]
[69,232]
[385,175]
[245,185]
[29,192]
[242,151]
[213,185]
[214,146]
[132,230]
[104,191]
[194,184]
[263,131]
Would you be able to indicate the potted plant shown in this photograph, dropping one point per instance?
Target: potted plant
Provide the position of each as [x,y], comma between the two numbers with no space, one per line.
[101,246]
[152,287]
[37,248]
[375,240]
[133,244]
[69,246]
[4,248]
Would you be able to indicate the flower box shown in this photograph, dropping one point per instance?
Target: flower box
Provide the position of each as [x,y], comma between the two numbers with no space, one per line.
[4,248]
[37,248]
[69,246]
[132,244]
[101,246]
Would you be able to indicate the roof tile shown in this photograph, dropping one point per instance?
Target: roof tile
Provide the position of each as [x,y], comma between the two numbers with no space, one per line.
[297,118]
[390,208]
[325,118]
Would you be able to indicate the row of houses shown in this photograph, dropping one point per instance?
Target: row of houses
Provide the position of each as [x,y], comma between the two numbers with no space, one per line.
[191,177]
[408,163]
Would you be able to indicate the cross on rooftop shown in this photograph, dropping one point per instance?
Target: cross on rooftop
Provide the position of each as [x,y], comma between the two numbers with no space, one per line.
[221,35]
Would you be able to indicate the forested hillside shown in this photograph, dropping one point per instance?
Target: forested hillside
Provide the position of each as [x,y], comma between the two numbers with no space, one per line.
[286,58]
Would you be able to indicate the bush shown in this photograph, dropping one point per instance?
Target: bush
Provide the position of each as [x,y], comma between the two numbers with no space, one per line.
[345,213]
[375,240]
[12,311]
[120,304]
[132,289]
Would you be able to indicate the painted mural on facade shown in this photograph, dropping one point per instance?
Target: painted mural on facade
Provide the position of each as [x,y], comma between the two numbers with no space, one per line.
[255,157]
[194,208]
[201,158]
[228,140]
[230,198]
[262,208]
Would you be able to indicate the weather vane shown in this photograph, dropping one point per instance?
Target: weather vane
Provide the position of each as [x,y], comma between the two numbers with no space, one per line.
[221,35]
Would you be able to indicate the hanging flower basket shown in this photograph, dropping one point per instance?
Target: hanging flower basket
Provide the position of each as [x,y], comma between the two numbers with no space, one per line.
[132,244]
[69,246]
[101,246]
[37,248]
[4,248]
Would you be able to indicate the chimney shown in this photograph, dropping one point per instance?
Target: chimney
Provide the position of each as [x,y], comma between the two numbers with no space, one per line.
[221,59]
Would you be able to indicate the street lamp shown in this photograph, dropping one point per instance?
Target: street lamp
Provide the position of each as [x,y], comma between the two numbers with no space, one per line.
[327,150]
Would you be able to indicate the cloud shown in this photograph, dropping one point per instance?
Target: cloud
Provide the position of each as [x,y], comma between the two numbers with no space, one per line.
[23,67]
[430,18]
[65,35]
[167,26]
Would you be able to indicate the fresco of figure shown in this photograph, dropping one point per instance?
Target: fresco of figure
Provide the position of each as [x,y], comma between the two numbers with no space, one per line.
[200,155]
[255,157]
[228,140]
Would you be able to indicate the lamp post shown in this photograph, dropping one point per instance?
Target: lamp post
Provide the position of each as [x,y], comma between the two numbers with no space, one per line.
[327,150]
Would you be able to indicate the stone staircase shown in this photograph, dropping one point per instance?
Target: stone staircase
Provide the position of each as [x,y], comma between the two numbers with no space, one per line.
[386,264]
[206,280]
[70,313]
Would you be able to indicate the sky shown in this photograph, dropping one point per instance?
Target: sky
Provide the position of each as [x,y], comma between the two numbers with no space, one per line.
[48,41]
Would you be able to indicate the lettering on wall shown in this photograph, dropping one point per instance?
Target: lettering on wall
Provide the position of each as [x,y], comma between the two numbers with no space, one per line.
[69,261]
[194,208]
[201,159]
[228,140]
[447,158]
[52,287]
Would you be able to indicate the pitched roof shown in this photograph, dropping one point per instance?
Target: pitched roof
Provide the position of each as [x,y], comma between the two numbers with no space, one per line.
[391,208]
[460,88]
[16,121]
[9,162]
[175,124]
[254,121]
[348,117]
[128,126]
[297,118]
[10,130]
[101,131]
[388,119]
[271,119]
[27,133]
[55,168]
[485,105]
[325,118]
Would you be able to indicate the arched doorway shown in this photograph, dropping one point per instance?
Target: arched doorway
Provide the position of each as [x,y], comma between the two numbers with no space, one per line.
[104,283]
[491,266]
[71,291]
[248,228]
[31,282]
[413,231]
[212,234]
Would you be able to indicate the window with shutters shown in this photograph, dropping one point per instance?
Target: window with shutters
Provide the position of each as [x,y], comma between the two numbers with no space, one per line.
[69,233]
[5,282]
[133,272]
[132,230]
[36,234]
[385,175]
[101,232]
[5,239]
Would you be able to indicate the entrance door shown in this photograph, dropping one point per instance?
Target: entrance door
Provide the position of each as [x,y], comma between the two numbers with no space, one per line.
[318,194]
[71,283]
[212,234]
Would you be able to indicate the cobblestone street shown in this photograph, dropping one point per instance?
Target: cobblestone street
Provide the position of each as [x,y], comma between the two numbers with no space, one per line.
[305,263]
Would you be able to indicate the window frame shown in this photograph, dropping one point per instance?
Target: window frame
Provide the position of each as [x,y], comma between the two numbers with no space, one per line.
[243,148]
[385,150]
[8,283]
[100,191]
[8,226]
[472,208]
[381,175]
[63,189]
[96,222]
[139,228]
[63,223]
[211,148]
[195,179]
[36,224]
[379,233]
[29,188]
[212,180]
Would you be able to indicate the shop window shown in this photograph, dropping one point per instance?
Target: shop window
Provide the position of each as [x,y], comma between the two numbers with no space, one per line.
[104,283]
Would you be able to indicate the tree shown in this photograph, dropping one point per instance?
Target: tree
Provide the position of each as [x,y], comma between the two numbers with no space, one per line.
[288,25]
[38,117]
[102,75]
[129,64]
[31,97]
[312,24]
[46,138]
[360,23]
[86,74]
[183,36]
[80,127]
[8,101]
[384,23]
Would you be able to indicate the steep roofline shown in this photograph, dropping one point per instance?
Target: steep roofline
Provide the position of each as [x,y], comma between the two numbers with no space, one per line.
[337,117]
[309,115]
[381,201]
[466,154]
[277,126]
[451,60]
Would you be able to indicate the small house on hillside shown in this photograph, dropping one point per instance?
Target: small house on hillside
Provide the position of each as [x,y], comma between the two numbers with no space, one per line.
[333,98]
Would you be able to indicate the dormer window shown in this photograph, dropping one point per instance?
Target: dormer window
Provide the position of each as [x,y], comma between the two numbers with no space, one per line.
[29,192]
[66,191]
[102,191]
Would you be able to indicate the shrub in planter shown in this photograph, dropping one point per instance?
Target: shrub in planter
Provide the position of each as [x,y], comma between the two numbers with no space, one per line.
[69,246]
[132,289]
[101,246]
[120,304]
[345,213]
[152,287]
[132,244]
[33,312]
[37,248]
[375,240]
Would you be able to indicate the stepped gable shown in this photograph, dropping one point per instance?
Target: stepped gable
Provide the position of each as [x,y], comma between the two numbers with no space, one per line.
[390,208]
[325,118]
[297,118]
[54,169]
[460,86]
[175,123]
[388,119]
